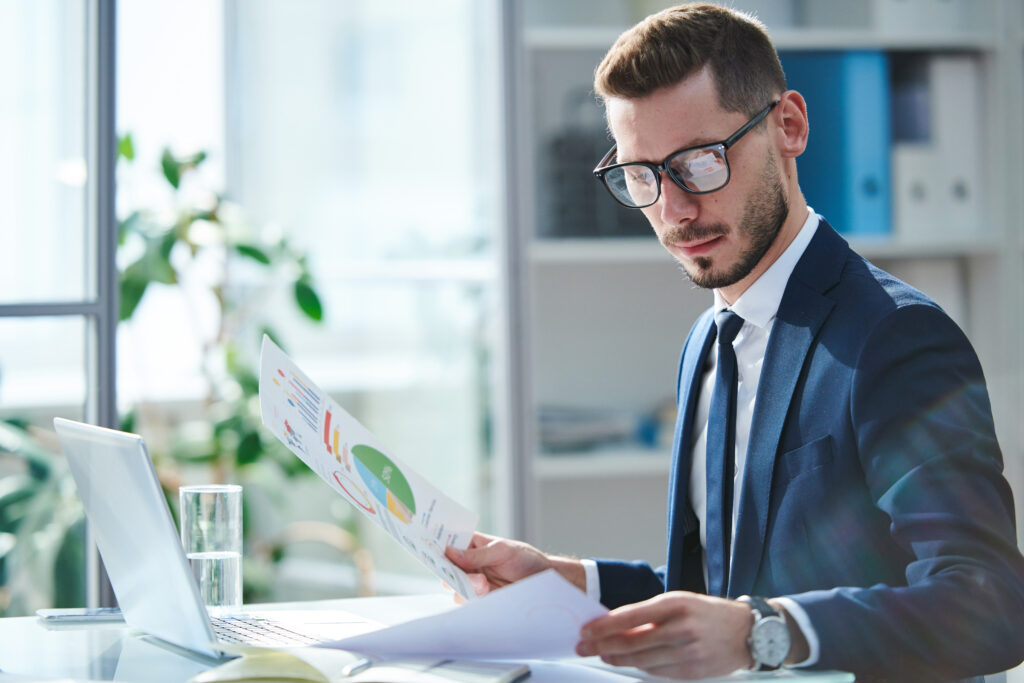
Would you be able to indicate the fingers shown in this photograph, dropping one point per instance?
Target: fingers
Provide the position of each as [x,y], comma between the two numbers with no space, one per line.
[675,634]
[458,558]
[481,586]
[456,598]
[688,660]
[643,638]
[481,539]
[662,658]
[501,560]
[655,610]
[478,540]
[483,551]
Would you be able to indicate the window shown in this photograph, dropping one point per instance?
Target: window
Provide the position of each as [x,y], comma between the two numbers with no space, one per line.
[56,286]
[366,133]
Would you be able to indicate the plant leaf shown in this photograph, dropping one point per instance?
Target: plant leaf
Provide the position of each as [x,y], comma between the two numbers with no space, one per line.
[155,264]
[231,424]
[194,160]
[171,168]
[125,147]
[269,331]
[253,252]
[165,246]
[250,449]
[174,167]
[133,286]
[308,300]
[127,226]
[248,381]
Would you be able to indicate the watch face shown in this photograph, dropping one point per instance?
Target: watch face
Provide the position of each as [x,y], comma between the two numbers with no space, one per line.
[769,641]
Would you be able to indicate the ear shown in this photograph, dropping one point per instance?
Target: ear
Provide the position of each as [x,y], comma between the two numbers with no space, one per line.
[791,129]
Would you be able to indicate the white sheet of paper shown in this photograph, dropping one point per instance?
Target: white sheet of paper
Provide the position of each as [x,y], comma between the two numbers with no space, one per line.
[357,466]
[559,672]
[536,618]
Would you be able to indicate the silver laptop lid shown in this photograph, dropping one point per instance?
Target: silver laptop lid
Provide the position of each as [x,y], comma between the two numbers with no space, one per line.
[135,534]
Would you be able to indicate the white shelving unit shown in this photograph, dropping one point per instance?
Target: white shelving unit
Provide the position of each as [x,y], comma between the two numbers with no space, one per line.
[621,462]
[602,318]
[647,250]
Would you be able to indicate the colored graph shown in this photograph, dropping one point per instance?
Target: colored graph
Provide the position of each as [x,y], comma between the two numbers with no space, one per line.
[331,442]
[352,490]
[292,438]
[385,481]
[300,397]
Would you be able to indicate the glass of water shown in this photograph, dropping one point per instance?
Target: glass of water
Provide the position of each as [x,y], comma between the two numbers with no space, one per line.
[211,532]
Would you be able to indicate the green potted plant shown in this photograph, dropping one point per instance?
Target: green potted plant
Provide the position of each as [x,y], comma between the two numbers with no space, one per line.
[225,438]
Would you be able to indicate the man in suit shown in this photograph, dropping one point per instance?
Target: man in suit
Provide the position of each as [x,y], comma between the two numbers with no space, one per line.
[836,498]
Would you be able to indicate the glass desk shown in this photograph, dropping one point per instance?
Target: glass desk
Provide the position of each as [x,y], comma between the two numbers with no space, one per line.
[31,650]
[35,650]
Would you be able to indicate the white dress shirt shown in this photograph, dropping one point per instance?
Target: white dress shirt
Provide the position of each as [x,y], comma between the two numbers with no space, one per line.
[758,307]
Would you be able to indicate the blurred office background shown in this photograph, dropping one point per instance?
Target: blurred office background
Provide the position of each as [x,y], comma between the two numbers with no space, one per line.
[449,269]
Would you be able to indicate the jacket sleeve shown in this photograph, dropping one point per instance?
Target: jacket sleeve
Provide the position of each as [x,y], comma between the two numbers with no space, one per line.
[926,443]
[623,583]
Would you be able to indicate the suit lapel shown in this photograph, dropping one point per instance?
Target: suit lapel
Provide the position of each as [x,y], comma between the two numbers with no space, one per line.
[801,313]
[681,520]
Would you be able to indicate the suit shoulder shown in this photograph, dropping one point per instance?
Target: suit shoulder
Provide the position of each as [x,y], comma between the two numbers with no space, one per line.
[871,306]
[877,293]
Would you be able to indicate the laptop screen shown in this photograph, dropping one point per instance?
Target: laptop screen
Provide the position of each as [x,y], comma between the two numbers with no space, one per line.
[135,534]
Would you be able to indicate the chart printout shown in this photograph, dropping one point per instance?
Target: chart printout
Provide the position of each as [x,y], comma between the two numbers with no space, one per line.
[354,463]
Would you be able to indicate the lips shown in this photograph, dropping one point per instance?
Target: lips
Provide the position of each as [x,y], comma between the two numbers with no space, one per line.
[696,248]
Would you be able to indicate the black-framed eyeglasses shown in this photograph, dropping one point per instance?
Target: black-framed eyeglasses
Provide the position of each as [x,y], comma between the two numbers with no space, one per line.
[698,170]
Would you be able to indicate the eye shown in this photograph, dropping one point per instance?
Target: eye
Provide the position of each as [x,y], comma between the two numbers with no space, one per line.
[704,164]
[639,175]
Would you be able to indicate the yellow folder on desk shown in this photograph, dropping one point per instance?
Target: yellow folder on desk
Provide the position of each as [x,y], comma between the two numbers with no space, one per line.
[321,665]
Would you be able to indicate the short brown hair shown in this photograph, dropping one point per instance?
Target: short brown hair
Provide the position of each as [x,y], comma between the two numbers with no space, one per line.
[676,43]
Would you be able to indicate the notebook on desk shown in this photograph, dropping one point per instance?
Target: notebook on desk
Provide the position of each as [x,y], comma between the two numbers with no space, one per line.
[142,552]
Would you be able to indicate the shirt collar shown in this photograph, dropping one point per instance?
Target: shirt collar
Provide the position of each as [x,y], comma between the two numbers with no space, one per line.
[759,304]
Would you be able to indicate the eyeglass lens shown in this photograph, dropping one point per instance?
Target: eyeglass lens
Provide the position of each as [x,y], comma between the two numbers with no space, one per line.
[703,169]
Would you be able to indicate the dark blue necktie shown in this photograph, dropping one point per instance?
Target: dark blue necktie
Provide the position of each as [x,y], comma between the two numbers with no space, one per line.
[721,456]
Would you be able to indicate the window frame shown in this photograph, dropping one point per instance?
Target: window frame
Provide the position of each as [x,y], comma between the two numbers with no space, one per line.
[100,307]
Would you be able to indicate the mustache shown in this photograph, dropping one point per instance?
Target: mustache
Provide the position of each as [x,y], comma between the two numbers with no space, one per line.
[694,233]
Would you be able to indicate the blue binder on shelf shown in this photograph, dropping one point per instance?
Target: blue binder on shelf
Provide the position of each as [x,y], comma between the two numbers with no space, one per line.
[844,172]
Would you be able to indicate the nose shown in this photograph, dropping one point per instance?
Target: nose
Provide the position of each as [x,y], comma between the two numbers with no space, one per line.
[677,206]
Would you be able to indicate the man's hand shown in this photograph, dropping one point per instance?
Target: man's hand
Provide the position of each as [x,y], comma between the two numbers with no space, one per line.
[676,635]
[493,562]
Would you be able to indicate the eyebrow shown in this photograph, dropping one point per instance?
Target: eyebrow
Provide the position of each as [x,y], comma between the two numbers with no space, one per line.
[697,143]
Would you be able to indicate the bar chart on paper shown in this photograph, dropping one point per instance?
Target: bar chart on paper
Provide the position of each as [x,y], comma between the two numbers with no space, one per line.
[299,396]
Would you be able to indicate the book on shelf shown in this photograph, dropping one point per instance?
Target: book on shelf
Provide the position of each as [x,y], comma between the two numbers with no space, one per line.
[892,16]
[578,429]
[937,147]
[844,171]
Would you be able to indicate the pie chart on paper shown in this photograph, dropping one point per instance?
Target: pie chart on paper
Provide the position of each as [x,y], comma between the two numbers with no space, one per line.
[385,481]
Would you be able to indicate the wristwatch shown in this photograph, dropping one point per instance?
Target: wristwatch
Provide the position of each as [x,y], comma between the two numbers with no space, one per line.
[769,637]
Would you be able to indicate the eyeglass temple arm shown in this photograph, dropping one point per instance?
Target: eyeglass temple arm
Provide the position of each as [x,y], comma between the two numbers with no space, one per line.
[605,159]
[749,124]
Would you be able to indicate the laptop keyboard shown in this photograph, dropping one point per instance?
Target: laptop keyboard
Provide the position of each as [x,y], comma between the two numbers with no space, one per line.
[257,631]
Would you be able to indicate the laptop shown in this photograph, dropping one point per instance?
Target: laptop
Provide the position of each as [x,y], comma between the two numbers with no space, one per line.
[148,570]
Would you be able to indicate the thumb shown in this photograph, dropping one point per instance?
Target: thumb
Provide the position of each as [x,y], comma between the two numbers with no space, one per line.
[472,558]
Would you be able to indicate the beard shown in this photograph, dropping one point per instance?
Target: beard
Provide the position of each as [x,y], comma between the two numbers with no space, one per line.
[765,212]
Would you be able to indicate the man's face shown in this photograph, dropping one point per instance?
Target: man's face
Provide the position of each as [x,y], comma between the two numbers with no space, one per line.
[719,238]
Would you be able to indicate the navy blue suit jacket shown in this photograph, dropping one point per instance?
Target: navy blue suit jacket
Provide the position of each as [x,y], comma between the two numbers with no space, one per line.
[873,492]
